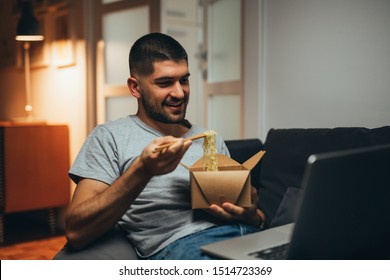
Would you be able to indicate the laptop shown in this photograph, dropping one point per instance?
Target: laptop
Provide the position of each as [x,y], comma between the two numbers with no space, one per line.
[343,213]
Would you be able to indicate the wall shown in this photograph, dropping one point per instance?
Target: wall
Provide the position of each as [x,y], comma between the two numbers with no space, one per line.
[58,93]
[326,63]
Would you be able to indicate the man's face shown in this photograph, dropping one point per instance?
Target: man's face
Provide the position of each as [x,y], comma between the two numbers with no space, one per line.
[165,93]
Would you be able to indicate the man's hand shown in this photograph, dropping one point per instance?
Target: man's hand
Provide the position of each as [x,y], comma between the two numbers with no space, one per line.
[230,212]
[158,163]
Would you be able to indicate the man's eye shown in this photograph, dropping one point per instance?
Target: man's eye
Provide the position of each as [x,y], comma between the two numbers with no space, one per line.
[184,81]
[164,84]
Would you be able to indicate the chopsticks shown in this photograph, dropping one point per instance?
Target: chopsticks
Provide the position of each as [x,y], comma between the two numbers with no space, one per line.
[162,147]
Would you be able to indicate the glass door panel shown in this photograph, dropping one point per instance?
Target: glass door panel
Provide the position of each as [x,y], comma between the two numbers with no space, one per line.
[222,114]
[122,23]
[222,67]
[118,35]
[224,27]
[120,106]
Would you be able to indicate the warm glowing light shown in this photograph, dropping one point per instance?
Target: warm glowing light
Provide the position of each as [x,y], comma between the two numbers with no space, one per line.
[29,38]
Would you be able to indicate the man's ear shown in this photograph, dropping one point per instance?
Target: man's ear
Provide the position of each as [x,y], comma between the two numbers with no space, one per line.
[133,87]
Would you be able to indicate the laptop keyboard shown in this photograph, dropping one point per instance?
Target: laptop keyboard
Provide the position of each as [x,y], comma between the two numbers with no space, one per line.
[274,253]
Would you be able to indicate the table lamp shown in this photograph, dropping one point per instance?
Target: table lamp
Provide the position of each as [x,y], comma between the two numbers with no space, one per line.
[28,30]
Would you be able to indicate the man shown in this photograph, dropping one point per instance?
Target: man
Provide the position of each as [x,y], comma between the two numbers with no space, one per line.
[147,193]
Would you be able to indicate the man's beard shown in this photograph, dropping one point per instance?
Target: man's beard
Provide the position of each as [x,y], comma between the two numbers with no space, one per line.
[159,114]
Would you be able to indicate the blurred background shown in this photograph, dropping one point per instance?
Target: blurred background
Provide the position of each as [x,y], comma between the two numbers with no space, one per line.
[255,64]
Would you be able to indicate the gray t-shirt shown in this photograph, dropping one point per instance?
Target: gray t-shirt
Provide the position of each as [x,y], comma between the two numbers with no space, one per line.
[162,212]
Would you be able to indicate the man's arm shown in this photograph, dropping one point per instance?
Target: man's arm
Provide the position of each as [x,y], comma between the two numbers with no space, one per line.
[96,206]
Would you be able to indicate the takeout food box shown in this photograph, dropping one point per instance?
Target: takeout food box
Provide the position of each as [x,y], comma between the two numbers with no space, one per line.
[231,183]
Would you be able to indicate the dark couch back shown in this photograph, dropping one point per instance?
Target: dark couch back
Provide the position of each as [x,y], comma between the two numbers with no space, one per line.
[287,151]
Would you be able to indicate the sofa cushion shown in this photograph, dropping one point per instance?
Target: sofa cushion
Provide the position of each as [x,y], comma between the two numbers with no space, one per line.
[287,151]
[380,135]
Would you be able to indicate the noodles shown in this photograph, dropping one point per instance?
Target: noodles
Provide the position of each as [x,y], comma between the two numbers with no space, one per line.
[209,151]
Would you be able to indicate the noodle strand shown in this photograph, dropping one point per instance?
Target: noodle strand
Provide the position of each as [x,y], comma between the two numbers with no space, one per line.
[209,151]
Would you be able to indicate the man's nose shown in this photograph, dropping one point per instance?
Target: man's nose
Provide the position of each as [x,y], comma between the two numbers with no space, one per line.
[177,90]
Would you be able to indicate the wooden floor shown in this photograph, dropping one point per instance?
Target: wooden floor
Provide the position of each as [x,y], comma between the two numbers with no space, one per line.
[28,236]
[43,249]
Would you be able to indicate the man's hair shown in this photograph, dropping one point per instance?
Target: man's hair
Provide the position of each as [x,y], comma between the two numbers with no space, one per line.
[151,48]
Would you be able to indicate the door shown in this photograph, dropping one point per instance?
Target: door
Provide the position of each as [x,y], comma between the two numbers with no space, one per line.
[122,22]
[222,67]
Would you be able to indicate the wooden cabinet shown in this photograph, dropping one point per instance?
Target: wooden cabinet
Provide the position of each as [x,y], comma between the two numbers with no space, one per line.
[34,164]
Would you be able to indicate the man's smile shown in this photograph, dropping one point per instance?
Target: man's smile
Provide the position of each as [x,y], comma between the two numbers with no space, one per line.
[174,103]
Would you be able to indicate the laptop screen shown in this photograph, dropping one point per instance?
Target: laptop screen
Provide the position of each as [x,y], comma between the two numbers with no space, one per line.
[345,207]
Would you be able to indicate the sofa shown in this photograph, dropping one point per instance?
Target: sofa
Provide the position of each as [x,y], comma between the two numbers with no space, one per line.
[277,177]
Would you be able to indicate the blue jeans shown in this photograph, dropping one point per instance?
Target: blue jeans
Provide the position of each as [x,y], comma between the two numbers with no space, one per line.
[188,247]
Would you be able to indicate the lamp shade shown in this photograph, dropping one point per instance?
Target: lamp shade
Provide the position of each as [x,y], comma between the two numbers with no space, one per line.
[28,28]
